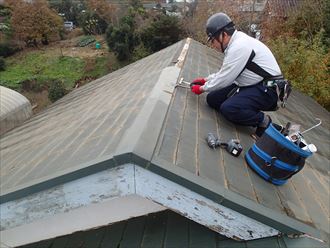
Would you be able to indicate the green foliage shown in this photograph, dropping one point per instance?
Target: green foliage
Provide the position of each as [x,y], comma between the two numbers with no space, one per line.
[136,9]
[136,4]
[162,32]
[95,68]
[34,22]
[125,40]
[71,9]
[140,52]
[122,40]
[302,50]
[326,24]
[307,66]
[86,40]
[41,67]
[2,64]
[308,21]
[5,15]
[92,23]
[56,90]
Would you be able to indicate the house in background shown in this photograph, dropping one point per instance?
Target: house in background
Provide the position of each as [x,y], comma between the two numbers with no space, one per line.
[281,9]
[124,160]
[246,14]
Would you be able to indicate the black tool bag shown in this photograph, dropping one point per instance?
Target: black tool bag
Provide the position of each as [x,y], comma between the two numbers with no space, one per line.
[275,158]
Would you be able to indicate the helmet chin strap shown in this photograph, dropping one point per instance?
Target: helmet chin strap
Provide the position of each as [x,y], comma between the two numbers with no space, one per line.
[221,43]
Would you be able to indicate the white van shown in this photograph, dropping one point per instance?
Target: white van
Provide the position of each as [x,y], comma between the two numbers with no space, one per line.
[68,25]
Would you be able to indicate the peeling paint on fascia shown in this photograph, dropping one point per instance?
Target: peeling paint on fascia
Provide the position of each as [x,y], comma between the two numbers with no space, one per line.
[199,208]
[96,188]
[129,180]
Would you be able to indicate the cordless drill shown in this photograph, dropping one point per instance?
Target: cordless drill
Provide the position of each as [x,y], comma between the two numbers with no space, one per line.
[232,146]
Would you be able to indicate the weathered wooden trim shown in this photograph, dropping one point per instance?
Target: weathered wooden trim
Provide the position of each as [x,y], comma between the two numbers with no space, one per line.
[82,197]
[84,218]
[199,208]
[92,189]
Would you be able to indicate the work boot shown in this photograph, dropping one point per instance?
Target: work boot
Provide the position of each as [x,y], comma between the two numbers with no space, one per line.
[262,127]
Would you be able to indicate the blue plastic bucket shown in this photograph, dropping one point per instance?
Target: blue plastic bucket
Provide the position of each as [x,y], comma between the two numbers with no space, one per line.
[275,158]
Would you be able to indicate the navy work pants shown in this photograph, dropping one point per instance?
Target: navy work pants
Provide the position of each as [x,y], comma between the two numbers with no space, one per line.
[243,108]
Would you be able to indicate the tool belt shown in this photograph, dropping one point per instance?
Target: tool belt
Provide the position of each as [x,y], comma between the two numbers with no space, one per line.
[282,86]
[275,158]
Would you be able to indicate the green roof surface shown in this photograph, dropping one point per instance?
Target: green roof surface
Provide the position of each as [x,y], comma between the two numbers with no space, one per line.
[135,115]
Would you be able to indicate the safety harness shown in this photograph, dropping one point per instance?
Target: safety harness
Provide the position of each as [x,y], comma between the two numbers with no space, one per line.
[282,86]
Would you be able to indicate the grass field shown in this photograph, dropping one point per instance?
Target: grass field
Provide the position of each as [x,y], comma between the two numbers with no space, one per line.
[32,70]
[41,67]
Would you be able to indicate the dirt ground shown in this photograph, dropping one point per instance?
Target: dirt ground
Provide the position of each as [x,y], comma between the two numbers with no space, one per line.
[69,48]
[38,100]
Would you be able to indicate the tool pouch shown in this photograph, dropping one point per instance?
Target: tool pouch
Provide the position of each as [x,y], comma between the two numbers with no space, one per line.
[283,89]
[275,158]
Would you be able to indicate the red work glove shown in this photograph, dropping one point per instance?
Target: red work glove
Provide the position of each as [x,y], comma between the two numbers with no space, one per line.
[198,81]
[196,89]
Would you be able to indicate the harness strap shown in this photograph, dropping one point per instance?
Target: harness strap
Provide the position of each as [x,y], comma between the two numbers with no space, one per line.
[252,66]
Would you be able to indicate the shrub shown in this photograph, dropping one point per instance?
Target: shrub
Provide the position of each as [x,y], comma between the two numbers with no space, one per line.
[92,23]
[7,49]
[164,31]
[122,39]
[86,40]
[56,90]
[2,64]
[305,65]
[140,52]
[33,85]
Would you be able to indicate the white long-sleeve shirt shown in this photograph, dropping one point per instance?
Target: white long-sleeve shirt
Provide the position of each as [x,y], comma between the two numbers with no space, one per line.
[237,54]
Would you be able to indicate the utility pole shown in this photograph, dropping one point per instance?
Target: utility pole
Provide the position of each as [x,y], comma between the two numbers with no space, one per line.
[251,16]
[184,8]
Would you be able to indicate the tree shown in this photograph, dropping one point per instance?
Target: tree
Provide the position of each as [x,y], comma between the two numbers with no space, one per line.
[304,21]
[96,18]
[5,29]
[194,23]
[162,32]
[69,9]
[305,65]
[298,48]
[136,4]
[103,9]
[34,22]
[92,23]
[308,20]
[122,39]
[326,24]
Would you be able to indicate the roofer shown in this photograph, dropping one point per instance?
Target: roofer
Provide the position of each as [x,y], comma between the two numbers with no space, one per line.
[237,90]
